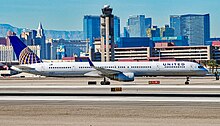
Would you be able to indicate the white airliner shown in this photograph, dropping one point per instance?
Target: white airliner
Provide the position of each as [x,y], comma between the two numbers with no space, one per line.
[120,71]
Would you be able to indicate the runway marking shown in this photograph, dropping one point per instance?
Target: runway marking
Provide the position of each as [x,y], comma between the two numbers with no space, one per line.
[105,98]
[123,86]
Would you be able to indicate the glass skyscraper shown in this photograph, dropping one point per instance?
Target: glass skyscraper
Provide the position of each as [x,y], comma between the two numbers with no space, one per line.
[148,23]
[116,29]
[137,25]
[175,24]
[91,28]
[195,26]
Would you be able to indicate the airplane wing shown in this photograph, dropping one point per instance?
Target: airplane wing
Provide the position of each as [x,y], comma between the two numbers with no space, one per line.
[103,71]
[107,72]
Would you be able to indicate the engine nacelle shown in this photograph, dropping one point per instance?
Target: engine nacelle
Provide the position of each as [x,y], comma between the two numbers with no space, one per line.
[124,77]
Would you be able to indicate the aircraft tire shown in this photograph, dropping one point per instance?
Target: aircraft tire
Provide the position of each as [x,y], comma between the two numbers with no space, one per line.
[107,83]
[187,82]
[102,83]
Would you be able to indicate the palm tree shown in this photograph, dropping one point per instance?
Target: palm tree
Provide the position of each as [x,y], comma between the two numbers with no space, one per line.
[204,63]
[212,64]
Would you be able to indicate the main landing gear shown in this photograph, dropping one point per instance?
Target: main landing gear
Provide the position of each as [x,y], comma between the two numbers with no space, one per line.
[104,82]
[187,80]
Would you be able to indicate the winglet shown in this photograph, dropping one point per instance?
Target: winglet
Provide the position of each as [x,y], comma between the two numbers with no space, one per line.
[90,63]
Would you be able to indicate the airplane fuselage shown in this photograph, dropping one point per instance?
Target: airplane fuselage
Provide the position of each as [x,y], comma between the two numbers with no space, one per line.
[71,69]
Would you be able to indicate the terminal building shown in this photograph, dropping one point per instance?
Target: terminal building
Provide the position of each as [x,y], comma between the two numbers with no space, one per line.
[132,54]
[164,51]
[125,53]
[167,52]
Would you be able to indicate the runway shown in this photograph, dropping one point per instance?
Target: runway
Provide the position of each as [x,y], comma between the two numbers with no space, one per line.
[83,81]
[68,102]
[146,90]
[64,89]
[110,98]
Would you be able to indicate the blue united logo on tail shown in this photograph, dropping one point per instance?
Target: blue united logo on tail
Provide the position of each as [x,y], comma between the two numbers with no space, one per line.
[24,54]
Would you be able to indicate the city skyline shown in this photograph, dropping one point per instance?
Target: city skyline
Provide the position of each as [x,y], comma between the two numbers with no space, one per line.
[68,14]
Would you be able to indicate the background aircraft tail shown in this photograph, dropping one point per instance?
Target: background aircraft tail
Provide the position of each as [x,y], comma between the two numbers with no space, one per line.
[23,53]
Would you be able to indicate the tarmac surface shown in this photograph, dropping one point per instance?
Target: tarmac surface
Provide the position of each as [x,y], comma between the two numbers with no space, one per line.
[90,113]
[83,81]
[110,110]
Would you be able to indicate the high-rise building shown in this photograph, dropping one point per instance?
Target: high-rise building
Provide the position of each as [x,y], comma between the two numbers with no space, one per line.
[148,23]
[72,48]
[91,28]
[49,48]
[166,31]
[137,25]
[116,29]
[196,27]
[28,37]
[41,40]
[126,33]
[153,32]
[175,24]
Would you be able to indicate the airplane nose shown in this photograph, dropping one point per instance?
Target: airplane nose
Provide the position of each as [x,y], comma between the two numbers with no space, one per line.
[205,71]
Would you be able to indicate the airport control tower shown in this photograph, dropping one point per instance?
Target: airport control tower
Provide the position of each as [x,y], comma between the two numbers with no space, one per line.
[107,34]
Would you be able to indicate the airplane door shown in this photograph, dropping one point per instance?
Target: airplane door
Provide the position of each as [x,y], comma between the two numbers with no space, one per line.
[42,68]
[73,68]
[191,67]
[158,67]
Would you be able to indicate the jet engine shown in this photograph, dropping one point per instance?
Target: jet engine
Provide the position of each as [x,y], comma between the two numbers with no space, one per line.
[123,77]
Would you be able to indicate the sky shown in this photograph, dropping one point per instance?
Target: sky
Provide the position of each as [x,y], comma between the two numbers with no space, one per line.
[68,14]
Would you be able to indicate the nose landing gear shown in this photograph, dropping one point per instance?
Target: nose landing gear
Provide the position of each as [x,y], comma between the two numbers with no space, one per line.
[187,80]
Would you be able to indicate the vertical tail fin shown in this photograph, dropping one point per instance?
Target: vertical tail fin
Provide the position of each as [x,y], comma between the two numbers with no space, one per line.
[24,54]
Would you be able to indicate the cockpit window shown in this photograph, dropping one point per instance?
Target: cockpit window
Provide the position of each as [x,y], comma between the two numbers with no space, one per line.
[200,66]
